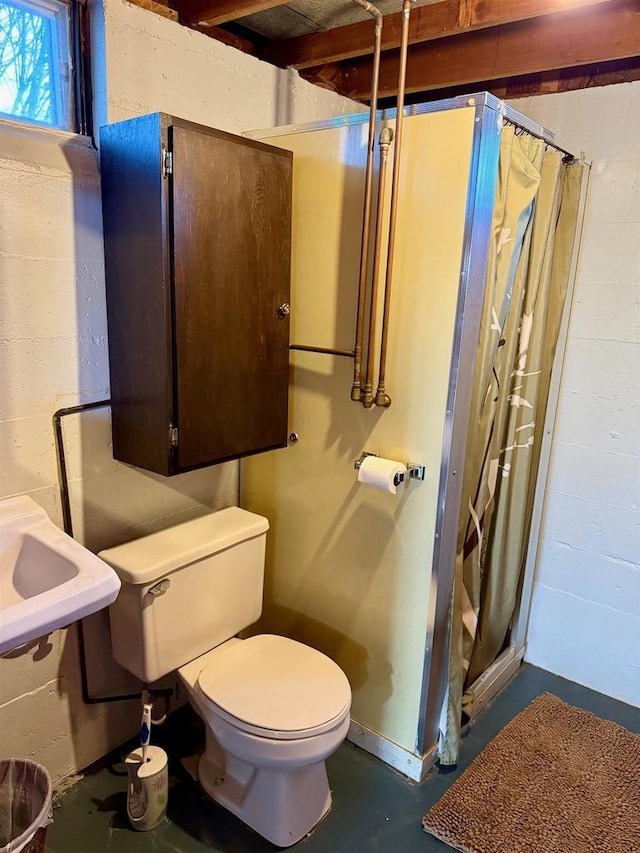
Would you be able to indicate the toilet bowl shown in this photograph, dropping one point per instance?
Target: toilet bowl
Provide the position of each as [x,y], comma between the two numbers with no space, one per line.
[274,710]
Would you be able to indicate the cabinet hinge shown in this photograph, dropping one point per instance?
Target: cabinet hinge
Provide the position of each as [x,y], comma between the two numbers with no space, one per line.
[173,436]
[167,163]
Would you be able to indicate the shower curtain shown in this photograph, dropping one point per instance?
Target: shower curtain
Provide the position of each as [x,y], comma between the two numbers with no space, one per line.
[533,233]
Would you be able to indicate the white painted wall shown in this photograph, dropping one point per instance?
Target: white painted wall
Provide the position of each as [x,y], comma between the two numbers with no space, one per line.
[585,619]
[53,343]
[155,64]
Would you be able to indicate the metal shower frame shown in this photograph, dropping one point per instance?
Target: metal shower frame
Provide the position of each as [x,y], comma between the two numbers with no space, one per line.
[491,114]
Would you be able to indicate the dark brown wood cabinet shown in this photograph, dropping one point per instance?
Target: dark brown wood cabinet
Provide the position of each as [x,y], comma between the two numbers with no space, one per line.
[197,228]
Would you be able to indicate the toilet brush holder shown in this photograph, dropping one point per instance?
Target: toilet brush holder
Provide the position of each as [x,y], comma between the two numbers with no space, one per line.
[148,787]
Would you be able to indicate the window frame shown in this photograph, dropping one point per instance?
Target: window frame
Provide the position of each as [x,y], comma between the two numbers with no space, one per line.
[70,56]
[80,34]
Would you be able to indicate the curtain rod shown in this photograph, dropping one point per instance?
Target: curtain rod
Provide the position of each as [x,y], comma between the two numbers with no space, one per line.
[549,139]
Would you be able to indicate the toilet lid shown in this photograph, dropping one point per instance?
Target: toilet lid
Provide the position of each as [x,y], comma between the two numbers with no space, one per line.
[277,684]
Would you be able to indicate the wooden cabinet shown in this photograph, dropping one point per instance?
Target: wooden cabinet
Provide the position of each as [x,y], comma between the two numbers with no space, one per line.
[197,228]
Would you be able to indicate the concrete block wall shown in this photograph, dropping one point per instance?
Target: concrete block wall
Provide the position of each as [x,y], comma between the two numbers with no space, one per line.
[585,618]
[54,350]
[143,63]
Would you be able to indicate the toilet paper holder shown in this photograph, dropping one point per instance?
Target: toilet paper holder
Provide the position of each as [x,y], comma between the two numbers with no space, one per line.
[414,471]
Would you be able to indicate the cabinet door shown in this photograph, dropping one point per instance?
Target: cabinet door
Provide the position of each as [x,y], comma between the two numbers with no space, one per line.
[231,255]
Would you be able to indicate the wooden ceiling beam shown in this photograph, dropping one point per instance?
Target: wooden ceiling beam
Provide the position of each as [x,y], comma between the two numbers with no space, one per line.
[566,80]
[210,13]
[562,40]
[544,83]
[357,39]
[438,20]
[226,37]
[160,7]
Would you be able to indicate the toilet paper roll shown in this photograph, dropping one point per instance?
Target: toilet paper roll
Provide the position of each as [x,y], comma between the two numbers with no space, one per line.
[379,472]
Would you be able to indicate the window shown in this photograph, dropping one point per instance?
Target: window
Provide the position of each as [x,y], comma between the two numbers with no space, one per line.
[37,41]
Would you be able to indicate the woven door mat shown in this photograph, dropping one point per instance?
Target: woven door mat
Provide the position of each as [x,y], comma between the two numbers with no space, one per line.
[556,779]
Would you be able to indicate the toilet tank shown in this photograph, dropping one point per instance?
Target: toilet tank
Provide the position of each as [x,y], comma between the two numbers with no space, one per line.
[186,589]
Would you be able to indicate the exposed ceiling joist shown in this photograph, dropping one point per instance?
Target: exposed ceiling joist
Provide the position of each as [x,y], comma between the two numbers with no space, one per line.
[160,7]
[231,38]
[357,39]
[549,82]
[447,18]
[607,31]
[214,12]
[512,47]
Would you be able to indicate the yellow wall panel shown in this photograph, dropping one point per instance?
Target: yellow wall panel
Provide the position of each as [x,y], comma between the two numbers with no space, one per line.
[348,567]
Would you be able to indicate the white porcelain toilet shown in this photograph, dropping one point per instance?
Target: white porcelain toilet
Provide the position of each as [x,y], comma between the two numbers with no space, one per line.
[274,709]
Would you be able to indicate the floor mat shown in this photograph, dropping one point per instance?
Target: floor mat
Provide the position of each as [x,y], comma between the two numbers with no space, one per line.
[556,779]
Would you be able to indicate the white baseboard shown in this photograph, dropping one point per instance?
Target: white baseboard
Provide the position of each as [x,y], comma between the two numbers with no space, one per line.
[414,767]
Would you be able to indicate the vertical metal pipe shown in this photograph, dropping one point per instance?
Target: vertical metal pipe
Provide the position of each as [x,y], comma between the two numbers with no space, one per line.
[366,215]
[382,398]
[366,397]
[67,522]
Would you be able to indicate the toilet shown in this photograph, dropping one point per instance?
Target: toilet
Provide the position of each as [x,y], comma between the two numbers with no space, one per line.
[274,709]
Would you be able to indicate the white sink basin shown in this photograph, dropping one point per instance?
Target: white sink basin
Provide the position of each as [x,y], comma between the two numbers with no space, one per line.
[47,579]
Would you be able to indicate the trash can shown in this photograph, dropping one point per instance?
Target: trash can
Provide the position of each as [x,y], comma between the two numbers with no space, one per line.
[25,806]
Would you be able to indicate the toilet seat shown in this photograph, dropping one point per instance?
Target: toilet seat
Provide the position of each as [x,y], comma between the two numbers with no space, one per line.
[275,687]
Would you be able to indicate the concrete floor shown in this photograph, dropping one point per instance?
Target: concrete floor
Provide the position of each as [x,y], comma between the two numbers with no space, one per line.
[374,808]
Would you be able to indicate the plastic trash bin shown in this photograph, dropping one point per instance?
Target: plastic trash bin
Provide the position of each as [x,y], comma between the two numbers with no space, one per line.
[25,805]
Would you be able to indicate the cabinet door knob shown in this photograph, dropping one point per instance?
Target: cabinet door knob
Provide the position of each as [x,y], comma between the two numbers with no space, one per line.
[284,310]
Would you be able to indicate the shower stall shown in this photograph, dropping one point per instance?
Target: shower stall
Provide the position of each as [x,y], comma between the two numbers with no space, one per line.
[421,597]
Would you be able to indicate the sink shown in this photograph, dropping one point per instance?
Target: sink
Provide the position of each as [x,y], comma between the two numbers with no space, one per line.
[47,579]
